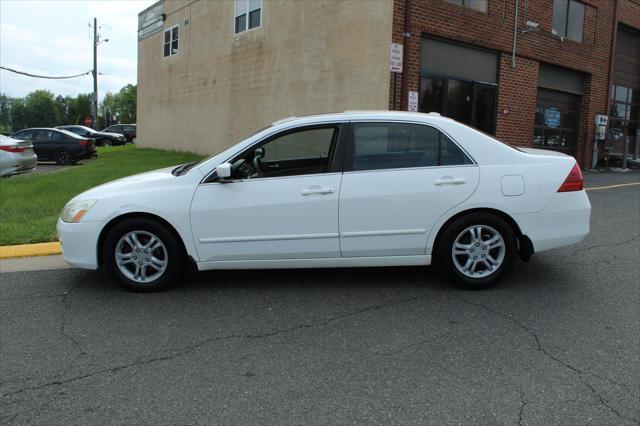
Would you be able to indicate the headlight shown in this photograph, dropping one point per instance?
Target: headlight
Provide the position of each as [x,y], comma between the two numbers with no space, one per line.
[74,211]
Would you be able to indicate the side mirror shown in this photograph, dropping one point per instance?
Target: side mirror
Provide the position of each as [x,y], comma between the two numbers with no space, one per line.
[223,171]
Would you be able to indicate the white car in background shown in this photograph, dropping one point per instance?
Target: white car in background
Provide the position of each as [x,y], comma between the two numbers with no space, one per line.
[16,156]
[337,190]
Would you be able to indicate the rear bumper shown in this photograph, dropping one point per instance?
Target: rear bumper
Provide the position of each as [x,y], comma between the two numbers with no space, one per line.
[563,222]
[79,243]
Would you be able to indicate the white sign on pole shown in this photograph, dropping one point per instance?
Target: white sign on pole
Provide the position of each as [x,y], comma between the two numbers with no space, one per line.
[413,101]
[395,59]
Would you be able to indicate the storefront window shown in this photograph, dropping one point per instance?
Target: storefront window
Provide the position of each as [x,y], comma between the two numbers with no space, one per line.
[556,120]
[468,102]
[623,112]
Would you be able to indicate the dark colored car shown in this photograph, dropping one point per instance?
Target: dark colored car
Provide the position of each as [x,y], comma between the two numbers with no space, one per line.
[128,130]
[57,145]
[101,138]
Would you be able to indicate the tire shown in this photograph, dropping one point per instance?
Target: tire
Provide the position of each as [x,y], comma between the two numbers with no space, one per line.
[64,157]
[106,142]
[170,258]
[477,266]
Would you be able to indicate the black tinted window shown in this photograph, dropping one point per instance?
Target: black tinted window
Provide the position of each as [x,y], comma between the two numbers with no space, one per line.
[24,135]
[398,145]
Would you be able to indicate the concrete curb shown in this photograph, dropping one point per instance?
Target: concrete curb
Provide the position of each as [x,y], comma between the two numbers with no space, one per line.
[29,250]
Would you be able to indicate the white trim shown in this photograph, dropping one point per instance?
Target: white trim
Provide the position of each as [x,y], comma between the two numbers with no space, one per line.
[334,262]
[382,233]
[268,238]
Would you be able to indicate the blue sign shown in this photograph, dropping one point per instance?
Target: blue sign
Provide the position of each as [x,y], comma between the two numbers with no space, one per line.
[552,117]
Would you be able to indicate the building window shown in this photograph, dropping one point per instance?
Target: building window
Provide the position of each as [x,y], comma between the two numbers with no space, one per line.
[248,15]
[556,121]
[171,41]
[568,19]
[479,5]
[623,112]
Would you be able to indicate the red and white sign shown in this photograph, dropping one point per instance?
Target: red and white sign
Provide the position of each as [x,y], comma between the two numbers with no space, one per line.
[395,58]
[413,102]
[88,121]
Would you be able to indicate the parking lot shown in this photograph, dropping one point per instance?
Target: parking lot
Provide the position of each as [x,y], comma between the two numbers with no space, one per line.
[557,343]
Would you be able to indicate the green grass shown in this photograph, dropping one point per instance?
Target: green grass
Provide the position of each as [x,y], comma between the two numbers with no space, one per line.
[30,204]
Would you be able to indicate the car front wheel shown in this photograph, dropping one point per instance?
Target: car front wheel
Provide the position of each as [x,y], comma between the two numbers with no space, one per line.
[478,250]
[143,255]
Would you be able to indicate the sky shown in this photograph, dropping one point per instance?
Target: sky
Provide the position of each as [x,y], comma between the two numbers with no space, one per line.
[53,38]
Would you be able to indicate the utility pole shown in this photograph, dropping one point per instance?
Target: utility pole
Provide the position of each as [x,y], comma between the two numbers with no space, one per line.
[95,73]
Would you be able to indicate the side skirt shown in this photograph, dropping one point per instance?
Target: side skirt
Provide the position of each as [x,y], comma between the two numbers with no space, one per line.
[341,262]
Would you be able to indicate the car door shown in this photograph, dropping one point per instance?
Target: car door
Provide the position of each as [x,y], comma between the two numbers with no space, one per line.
[399,179]
[41,144]
[280,203]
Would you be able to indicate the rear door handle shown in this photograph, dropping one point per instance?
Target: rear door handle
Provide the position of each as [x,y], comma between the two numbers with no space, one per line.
[317,190]
[446,180]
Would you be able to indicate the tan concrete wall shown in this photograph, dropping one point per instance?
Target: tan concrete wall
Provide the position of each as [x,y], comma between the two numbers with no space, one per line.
[307,57]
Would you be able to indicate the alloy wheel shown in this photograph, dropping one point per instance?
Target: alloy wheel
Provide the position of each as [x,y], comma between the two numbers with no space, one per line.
[141,256]
[478,251]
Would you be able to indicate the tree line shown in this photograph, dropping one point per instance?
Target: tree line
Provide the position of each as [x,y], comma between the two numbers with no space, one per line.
[42,108]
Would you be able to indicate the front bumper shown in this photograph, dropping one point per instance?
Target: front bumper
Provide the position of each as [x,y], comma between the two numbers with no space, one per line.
[79,243]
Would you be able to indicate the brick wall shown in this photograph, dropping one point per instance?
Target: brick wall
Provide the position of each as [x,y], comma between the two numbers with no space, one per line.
[518,87]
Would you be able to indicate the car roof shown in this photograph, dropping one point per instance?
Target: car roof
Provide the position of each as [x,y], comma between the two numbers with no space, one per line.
[364,115]
[63,131]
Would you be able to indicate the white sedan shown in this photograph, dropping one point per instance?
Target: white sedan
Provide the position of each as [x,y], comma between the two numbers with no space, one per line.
[16,156]
[337,190]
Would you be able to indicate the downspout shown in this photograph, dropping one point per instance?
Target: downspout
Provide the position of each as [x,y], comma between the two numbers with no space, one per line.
[405,53]
[515,36]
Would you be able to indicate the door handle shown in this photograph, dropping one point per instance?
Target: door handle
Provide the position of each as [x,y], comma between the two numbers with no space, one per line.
[447,180]
[317,190]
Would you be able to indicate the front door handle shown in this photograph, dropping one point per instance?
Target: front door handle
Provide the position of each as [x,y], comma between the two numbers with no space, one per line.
[317,190]
[448,180]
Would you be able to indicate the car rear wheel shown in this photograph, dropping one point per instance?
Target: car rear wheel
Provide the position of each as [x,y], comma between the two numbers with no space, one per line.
[64,157]
[478,250]
[143,255]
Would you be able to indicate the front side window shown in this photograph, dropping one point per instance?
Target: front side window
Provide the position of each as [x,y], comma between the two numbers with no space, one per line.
[397,145]
[171,41]
[301,152]
[248,15]
[568,19]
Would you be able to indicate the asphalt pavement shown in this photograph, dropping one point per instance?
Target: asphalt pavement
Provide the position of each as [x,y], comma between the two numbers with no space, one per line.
[557,343]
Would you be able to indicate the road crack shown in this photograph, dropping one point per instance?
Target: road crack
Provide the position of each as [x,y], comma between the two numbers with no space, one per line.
[578,372]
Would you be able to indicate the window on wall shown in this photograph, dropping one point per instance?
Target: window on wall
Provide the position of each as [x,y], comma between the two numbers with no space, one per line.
[479,5]
[556,120]
[248,15]
[568,19]
[623,113]
[171,36]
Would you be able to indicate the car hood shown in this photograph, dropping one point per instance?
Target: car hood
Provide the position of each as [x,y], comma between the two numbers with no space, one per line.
[129,184]
[111,134]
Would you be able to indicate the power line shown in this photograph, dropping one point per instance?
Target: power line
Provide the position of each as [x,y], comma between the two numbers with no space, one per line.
[45,76]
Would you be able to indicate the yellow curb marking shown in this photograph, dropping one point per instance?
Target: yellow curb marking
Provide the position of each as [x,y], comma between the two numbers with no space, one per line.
[27,250]
[612,186]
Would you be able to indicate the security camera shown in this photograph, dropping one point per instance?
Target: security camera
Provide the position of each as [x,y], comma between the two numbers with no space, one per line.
[531,26]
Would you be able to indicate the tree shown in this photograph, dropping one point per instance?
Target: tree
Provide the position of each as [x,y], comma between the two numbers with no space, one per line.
[78,108]
[121,104]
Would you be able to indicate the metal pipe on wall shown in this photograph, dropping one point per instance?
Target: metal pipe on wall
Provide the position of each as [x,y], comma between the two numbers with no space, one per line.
[405,53]
[515,36]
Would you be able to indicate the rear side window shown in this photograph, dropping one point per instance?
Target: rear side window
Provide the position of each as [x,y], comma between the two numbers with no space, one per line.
[398,145]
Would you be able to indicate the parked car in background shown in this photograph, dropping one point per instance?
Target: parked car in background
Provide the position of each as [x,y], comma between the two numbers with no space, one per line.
[336,190]
[58,145]
[128,130]
[101,138]
[16,156]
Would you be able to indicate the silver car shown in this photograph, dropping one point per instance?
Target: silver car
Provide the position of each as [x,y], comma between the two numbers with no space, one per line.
[16,156]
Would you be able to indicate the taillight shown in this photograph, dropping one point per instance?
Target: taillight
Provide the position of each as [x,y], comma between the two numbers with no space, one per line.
[85,143]
[573,182]
[12,148]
